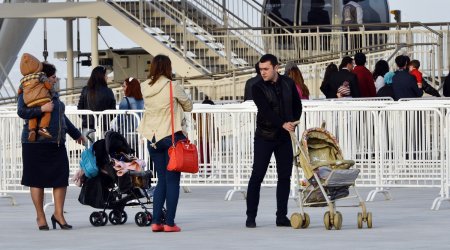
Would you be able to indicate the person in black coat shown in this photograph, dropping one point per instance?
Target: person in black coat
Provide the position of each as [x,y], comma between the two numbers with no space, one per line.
[386,90]
[279,107]
[250,82]
[325,86]
[45,161]
[96,96]
[404,84]
[446,90]
[344,74]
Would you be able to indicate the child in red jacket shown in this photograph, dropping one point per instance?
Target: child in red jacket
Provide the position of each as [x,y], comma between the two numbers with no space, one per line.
[414,70]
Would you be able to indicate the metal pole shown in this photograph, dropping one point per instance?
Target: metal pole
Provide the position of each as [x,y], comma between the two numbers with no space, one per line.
[141,13]
[440,56]
[69,41]
[9,81]
[448,50]
[78,48]
[185,49]
[45,52]
[227,39]
[94,42]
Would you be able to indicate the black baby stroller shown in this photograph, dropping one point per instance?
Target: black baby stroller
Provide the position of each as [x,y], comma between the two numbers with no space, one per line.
[113,190]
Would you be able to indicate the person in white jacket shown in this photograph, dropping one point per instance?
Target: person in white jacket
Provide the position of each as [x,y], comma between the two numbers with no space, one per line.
[156,128]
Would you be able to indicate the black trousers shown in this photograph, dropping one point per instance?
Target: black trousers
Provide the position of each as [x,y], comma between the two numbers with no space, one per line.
[283,156]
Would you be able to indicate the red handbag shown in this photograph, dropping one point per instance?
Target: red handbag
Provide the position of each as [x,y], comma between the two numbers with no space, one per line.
[183,155]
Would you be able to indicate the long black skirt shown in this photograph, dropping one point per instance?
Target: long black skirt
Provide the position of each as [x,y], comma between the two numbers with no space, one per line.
[45,165]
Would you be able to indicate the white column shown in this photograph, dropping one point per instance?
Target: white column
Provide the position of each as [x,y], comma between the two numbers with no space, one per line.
[69,41]
[94,42]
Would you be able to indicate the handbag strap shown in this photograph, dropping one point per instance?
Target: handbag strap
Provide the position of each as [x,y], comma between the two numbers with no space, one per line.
[171,114]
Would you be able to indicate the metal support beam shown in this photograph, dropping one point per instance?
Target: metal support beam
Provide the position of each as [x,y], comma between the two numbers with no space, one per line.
[108,13]
[69,41]
[94,42]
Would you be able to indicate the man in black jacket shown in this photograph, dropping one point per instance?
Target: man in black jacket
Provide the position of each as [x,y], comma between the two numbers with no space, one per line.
[404,84]
[279,106]
[344,75]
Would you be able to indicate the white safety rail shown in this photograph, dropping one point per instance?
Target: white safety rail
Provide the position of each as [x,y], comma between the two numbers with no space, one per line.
[11,155]
[394,144]
[445,178]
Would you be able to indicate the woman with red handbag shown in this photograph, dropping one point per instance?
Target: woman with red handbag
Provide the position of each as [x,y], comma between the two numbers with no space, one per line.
[156,126]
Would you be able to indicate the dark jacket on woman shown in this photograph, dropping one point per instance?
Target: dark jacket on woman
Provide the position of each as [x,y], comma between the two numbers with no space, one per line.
[337,79]
[59,123]
[446,89]
[104,99]
[277,103]
[386,91]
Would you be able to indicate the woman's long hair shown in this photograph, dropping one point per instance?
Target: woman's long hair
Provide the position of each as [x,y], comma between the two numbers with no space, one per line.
[295,74]
[331,68]
[96,80]
[133,88]
[161,66]
[381,68]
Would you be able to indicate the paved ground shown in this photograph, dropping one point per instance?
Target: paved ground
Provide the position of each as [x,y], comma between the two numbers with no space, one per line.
[209,222]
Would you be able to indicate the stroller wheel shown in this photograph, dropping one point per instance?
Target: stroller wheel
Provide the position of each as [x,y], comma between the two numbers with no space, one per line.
[327,220]
[98,219]
[149,218]
[337,220]
[117,217]
[360,220]
[164,216]
[141,219]
[296,220]
[369,220]
[104,218]
[306,221]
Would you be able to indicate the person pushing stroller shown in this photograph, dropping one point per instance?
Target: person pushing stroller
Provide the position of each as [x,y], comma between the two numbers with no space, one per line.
[279,107]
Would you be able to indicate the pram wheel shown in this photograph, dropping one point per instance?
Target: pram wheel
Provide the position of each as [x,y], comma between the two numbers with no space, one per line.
[117,217]
[143,219]
[369,220]
[327,220]
[98,219]
[360,220]
[297,220]
[337,220]
[149,218]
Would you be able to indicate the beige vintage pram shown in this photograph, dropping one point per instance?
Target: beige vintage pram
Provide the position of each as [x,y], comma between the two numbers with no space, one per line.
[327,179]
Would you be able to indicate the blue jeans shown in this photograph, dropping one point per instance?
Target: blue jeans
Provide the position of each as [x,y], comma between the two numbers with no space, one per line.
[168,187]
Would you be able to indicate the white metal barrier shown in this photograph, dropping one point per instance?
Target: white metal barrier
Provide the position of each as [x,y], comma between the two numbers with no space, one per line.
[394,144]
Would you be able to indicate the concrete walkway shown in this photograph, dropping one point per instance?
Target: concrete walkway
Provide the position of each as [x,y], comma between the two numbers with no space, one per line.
[209,222]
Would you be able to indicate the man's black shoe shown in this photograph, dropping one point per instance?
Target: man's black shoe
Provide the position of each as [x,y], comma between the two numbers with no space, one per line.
[250,223]
[283,222]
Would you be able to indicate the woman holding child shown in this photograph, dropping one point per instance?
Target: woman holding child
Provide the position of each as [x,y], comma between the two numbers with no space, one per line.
[45,162]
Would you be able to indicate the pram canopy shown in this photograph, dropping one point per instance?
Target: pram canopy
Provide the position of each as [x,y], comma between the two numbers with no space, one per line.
[320,148]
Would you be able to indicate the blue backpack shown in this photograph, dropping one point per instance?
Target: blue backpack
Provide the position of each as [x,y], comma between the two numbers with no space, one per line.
[88,163]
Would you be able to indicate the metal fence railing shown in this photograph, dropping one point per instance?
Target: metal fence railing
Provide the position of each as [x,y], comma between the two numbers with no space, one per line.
[394,144]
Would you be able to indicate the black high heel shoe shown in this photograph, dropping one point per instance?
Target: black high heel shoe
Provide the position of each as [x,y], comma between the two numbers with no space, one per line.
[64,227]
[43,227]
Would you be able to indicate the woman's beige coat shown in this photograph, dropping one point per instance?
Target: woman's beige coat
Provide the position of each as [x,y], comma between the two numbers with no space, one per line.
[156,120]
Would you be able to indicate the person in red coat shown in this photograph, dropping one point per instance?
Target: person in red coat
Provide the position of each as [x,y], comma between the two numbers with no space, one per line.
[365,79]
